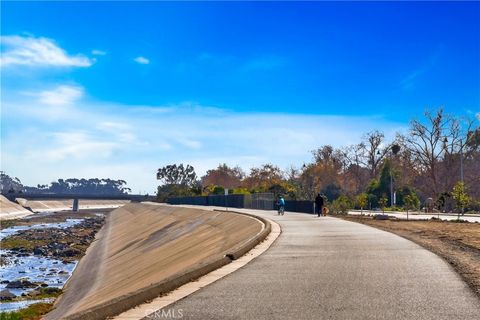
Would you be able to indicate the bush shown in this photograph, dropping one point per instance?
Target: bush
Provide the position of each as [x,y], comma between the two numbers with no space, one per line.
[341,205]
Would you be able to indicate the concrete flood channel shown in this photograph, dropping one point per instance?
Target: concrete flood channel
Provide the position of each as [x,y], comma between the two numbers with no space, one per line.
[21,272]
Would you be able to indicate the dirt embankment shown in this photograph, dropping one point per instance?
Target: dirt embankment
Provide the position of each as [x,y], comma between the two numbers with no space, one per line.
[142,245]
[457,243]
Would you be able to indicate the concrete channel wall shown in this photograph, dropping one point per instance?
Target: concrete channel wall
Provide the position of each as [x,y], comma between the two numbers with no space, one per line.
[145,251]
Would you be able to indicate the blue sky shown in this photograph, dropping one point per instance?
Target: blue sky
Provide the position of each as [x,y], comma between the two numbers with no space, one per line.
[118,89]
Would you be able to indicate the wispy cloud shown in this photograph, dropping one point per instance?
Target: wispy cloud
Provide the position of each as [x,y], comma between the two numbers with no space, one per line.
[77,145]
[410,80]
[61,95]
[103,136]
[38,52]
[98,52]
[141,60]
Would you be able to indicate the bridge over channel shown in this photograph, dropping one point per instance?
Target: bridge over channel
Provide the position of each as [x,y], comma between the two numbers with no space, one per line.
[75,197]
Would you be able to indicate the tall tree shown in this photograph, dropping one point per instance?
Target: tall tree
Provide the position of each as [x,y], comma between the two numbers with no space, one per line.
[223,176]
[426,142]
[372,151]
[262,178]
[177,175]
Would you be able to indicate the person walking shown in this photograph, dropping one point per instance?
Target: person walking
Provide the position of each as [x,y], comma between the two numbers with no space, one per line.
[319,204]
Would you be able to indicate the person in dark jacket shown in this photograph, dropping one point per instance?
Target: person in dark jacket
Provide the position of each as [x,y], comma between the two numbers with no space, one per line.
[319,204]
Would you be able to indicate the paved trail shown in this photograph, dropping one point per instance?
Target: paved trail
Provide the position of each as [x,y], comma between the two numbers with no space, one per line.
[326,268]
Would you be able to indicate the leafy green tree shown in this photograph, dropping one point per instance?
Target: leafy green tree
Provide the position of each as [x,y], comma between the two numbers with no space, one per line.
[177,175]
[241,191]
[383,202]
[460,196]
[283,188]
[177,181]
[8,183]
[411,201]
[175,190]
[219,190]
[362,201]
[403,192]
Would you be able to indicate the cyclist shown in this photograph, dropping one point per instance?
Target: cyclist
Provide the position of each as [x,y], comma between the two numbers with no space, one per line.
[281,205]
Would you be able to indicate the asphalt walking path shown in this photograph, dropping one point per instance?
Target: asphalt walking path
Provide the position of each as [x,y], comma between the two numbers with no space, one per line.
[327,268]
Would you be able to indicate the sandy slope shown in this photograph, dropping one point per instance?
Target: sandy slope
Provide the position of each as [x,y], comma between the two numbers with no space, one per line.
[11,210]
[142,244]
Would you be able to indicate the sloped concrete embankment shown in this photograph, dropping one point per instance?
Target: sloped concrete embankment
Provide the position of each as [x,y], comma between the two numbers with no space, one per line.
[11,210]
[145,251]
[63,205]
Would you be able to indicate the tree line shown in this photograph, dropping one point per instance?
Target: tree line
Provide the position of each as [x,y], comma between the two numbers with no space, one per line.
[436,162]
[66,186]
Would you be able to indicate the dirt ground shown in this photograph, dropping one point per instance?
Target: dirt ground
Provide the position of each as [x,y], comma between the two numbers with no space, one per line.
[457,243]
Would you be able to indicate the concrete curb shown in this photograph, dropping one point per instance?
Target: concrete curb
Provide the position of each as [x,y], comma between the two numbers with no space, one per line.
[243,248]
[131,300]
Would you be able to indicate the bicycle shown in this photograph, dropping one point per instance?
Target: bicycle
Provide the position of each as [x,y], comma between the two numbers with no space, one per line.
[281,210]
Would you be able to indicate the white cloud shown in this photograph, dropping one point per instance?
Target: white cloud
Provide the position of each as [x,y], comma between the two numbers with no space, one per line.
[101,135]
[78,145]
[38,52]
[141,60]
[61,95]
[98,52]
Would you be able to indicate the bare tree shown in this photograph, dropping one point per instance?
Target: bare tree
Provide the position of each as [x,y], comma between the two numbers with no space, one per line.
[372,151]
[426,141]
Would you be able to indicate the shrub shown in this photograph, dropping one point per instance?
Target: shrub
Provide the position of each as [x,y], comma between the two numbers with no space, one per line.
[341,205]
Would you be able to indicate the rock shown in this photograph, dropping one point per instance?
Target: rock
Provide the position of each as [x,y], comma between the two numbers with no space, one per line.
[33,293]
[20,284]
[6,295]
[51,290]
[38,251]
[4,282]
[69,252]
